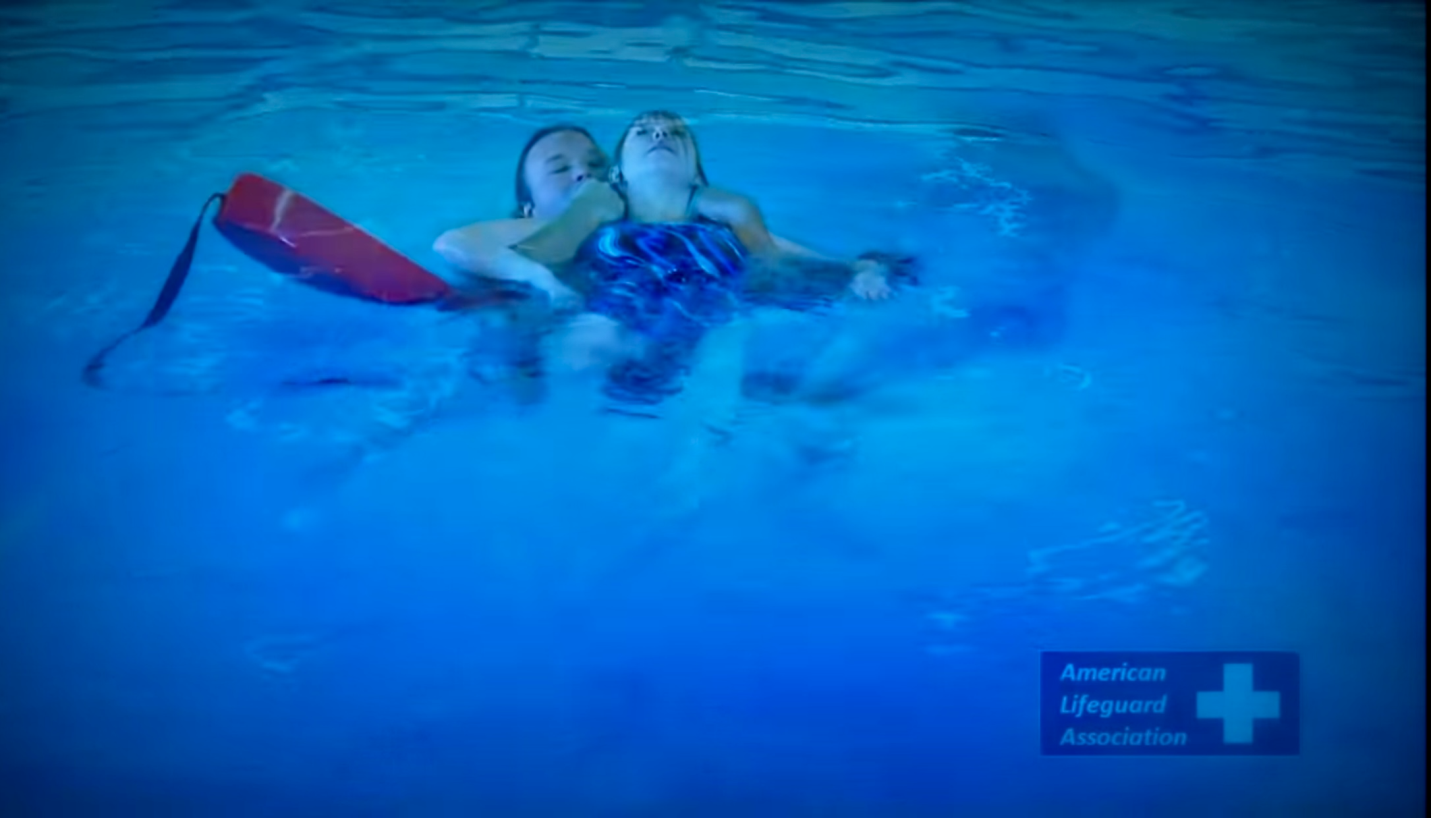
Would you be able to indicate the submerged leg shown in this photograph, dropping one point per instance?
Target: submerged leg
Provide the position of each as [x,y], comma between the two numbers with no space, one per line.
[918,336]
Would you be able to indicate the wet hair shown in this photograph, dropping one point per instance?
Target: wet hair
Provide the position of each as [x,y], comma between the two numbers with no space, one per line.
[621,143]
[524,190]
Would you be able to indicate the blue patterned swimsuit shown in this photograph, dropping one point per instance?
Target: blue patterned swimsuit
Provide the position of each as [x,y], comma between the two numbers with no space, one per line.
[670,282]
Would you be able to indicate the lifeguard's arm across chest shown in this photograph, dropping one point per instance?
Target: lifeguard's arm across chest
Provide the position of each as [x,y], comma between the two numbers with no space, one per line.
[484,249]
[557,243]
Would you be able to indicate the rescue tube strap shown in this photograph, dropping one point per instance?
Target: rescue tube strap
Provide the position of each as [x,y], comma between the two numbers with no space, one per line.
[167,295]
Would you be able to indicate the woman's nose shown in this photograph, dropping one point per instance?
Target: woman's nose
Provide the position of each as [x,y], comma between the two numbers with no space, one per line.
[658,133]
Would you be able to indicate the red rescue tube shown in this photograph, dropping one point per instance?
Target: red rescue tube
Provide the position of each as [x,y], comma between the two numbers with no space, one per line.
[291,234]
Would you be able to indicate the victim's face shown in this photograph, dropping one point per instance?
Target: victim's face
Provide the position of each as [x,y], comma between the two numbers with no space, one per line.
[556,165]
[659,147]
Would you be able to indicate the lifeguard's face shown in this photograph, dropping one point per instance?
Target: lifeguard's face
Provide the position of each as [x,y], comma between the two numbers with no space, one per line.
[659,147]
[556,165]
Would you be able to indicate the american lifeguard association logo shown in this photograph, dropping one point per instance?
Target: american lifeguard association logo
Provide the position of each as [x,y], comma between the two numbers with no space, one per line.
[1170,703]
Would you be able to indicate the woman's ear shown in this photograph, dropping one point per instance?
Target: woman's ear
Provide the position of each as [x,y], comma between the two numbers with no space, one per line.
[614,176]
[527,210]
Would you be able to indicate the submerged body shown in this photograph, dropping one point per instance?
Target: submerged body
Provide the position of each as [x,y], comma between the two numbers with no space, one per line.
[668,283]
[664,280]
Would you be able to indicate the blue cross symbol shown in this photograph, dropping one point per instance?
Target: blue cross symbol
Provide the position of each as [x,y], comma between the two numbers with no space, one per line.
[1237,704]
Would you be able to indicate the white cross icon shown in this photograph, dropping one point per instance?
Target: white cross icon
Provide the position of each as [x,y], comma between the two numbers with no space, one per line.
[1237,704]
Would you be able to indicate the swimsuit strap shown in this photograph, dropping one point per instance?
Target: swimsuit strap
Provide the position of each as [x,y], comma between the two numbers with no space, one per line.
[691,202]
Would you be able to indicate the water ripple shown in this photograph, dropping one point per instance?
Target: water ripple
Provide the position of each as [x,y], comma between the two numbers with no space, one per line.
[1241,83]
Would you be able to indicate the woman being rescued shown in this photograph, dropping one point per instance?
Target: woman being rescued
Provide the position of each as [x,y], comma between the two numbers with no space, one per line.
[657,257]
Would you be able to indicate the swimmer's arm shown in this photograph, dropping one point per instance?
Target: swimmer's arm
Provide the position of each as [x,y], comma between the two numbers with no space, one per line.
[867,276]
[788,247]
[557,243]
[478,248]
[740,213]
[795,271]
[744,216]
[484,249]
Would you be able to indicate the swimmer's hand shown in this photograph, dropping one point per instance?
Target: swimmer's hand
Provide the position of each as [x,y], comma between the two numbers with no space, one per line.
[591,205]
[871,280]
[561,298]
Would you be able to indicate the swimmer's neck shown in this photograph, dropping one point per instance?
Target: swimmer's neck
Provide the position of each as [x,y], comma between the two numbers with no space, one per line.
[663,203]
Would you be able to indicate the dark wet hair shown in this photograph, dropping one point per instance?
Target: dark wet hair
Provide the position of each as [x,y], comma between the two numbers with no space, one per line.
[621,143]
[524,190]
